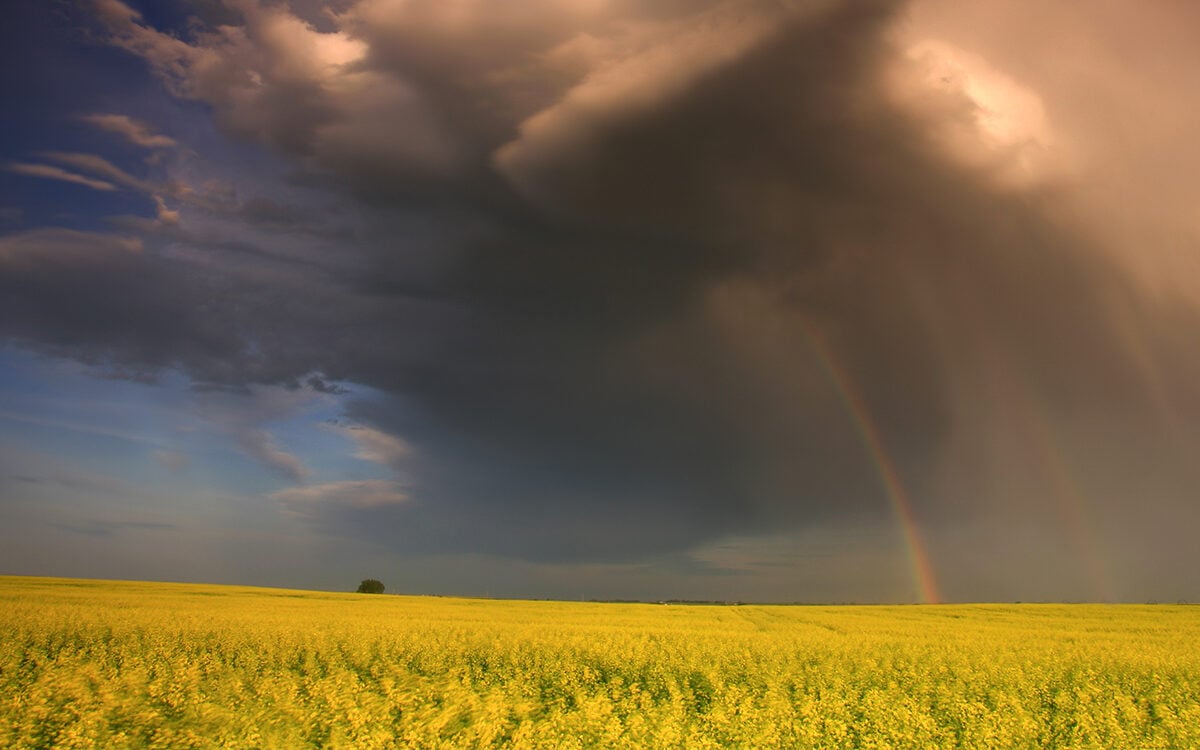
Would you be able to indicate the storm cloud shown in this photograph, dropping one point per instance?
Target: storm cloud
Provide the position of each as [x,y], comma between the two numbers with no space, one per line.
[623,280]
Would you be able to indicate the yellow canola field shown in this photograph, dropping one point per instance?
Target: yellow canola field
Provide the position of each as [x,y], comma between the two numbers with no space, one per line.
[110,664]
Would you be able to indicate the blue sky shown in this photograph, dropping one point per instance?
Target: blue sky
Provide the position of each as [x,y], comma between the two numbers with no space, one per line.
[728,300]
[119,461]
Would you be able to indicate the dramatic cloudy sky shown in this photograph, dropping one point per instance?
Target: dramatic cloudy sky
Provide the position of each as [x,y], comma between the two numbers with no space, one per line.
[793,300]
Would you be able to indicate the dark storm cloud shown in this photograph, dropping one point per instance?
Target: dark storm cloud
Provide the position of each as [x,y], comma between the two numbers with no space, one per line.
[227,317]
[603,262]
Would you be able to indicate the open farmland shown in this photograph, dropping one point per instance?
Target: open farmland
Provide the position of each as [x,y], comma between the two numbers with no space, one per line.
[123,664]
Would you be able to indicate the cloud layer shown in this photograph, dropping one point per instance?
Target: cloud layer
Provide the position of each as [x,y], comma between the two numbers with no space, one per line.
[629,278]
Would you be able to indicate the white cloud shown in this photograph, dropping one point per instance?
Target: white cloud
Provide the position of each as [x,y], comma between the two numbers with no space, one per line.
[242,416]
[376,446]
[261,446]
[360,494]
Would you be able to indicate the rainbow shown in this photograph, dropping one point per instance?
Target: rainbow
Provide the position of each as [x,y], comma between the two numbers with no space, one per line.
[1073,507]
[1036,431]
[868,433]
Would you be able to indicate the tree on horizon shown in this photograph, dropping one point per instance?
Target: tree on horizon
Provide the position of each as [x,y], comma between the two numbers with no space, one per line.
[370,586]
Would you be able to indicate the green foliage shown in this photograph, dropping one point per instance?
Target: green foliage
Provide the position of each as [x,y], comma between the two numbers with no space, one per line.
[370,586]
[136,665]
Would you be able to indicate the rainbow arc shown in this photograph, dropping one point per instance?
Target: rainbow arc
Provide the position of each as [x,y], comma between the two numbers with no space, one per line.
[872,442]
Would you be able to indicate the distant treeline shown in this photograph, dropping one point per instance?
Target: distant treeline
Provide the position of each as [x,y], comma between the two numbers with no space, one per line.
[708,602]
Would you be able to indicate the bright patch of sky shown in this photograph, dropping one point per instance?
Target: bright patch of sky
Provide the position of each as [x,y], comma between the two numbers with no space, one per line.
[164,440]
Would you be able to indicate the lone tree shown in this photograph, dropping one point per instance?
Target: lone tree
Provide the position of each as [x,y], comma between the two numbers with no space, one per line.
[370,586]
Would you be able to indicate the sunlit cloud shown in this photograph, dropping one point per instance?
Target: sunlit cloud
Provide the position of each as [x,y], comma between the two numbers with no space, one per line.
[375,445]
[354,494]
[134,131]
[979,115]
[58,173]
[101,167]
[58,245]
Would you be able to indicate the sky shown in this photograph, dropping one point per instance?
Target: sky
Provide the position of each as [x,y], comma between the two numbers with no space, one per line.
[757,300]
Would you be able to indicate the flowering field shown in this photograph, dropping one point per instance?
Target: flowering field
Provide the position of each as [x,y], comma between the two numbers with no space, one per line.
[119,664]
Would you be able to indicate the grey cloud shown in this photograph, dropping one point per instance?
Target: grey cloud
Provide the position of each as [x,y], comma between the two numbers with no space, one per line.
[11,216]
[227,315]
[640,376]
[55,478]
[105,529]
[321,385]
[260,209]
[173,461]
[98,296]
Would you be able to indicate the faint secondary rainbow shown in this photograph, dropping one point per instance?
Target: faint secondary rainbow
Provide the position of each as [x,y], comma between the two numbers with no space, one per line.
[1036,430]
[1072,505]
[868,432]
